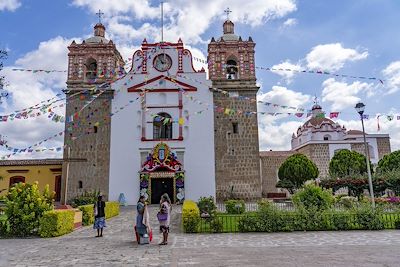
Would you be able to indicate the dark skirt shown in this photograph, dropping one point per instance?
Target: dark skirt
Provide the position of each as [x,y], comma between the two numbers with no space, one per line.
[99,223]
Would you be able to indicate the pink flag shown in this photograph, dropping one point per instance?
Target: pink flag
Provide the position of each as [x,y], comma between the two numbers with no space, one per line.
[333,115]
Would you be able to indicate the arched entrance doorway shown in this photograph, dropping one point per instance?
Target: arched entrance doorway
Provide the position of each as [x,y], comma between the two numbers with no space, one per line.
[162,173]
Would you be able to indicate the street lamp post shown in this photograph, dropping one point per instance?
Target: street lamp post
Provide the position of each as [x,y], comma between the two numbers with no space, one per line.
[360,107]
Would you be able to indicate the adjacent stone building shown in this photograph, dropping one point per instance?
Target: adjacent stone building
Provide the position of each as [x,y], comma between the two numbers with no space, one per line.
[319,138]
[91,64]
[231,69]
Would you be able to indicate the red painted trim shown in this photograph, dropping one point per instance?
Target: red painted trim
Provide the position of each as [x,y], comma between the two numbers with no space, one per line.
[180,115]
[144,116]
[166,90]
[161,140]
[188,86]
[191,58]
[77,225]
[164,44]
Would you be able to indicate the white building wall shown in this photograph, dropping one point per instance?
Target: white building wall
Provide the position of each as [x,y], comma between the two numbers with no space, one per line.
[334,147]
[198,137]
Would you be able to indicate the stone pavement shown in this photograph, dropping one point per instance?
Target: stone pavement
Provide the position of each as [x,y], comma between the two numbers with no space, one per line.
[117,248]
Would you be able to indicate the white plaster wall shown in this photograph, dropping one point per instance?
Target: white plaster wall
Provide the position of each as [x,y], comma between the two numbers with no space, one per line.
[198,143]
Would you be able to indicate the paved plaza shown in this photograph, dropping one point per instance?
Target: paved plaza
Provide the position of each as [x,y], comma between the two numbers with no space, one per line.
[117,248]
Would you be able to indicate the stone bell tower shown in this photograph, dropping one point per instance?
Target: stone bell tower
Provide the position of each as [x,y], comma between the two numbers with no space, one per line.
[92,65]
[237,160]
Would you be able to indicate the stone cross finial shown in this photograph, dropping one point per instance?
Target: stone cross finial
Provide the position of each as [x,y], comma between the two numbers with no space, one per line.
[227,11]
[100,14]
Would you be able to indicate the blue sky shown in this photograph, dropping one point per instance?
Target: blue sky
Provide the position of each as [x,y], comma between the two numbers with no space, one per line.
[357,37]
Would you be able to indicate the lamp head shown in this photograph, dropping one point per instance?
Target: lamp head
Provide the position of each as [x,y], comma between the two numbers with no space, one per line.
[360,107]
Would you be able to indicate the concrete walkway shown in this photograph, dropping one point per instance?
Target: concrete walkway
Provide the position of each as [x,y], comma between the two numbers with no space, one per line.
[118,248]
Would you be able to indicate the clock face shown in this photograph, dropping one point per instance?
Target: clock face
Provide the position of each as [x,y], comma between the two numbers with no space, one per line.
[162,62]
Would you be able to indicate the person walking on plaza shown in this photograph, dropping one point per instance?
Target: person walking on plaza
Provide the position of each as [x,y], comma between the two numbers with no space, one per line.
[164,217]
[99,216]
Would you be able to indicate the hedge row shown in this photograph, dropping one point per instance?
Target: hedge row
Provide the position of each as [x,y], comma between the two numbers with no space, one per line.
[111,210]
[190,216]
[56,223]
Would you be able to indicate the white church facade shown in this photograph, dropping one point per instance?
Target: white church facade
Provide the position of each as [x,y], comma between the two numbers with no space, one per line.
[163,141]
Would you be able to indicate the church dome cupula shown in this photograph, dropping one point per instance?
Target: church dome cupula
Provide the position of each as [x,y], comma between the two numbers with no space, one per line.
[318,128]
[99,35]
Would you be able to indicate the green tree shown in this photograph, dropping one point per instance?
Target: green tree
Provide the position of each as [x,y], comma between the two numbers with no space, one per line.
[296,170]
[24,206]
[389,162]
[347,163]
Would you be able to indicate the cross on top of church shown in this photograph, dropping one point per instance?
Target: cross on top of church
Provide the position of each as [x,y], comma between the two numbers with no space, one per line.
[99,14]
[227,11]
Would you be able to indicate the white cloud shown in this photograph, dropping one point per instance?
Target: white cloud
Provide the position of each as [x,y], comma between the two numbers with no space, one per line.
[185,19]
[392,76]
[287,71]
[290,22]
[277,136]
[28,89]
[283,96]
[11,5]
[343,95]
[332,56]
[273,133]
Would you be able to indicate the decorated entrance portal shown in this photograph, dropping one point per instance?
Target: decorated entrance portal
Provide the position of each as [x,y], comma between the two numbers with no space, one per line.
[162,173]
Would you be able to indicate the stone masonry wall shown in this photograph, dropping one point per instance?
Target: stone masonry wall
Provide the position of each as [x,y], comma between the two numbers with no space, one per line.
[383,146]
[319,154]
[85,143]
[269,172]
[237,159]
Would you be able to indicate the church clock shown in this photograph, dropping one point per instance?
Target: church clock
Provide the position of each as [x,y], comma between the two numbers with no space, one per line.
[162,62]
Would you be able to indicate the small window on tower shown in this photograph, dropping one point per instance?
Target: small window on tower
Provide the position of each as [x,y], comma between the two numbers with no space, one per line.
[235,127]
[95,129]
[80,184]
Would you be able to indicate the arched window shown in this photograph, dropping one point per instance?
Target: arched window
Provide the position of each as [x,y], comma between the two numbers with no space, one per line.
[231,70]
[91,69]
[371,152]
[16,179]
[80,184]
[327,137]
[162,126]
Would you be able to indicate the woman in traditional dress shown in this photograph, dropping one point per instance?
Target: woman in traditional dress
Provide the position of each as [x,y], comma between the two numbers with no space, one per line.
[141,208]
[164,217]
[99,216]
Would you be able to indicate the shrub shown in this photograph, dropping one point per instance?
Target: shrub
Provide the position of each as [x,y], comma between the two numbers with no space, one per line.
[217,224]
[313,197]
[347,202]
[297,169]
[56,223]
[85,199]
[368,218]
[111,210]
[87,214]
[207,205]
[263,203]
[347,163]
[235,206]
[25,206]
[190,216]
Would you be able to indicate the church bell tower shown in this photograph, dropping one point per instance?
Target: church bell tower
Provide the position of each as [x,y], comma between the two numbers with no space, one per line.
[92,66]
[237,160]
